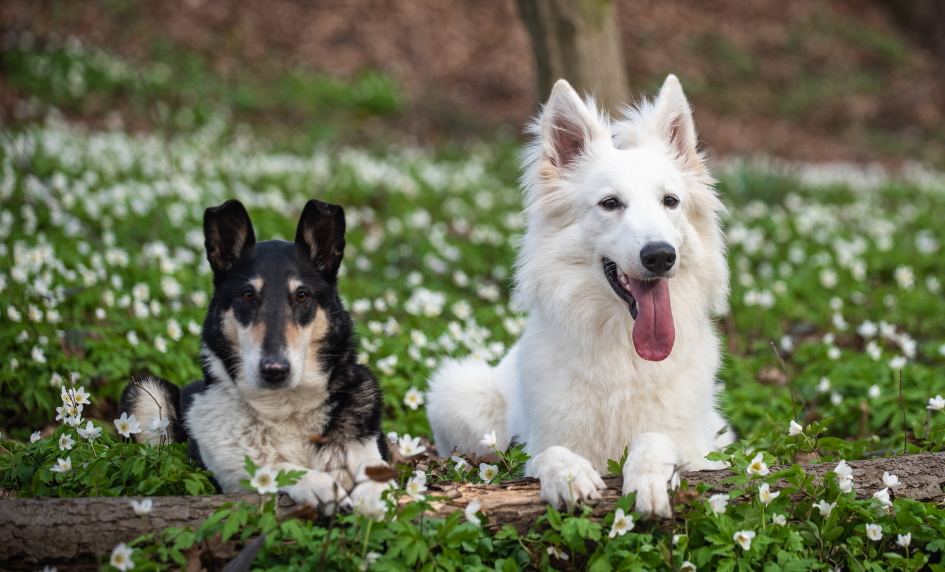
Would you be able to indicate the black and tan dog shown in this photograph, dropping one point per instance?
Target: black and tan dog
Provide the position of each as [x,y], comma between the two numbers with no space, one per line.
[279,364]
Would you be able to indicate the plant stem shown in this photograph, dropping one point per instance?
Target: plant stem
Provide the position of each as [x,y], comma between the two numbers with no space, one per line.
[367,536]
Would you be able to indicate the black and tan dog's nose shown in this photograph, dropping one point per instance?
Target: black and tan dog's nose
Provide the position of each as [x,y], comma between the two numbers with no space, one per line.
[274,370]
[658,257]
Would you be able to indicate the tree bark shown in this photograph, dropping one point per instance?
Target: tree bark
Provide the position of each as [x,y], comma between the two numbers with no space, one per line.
[577,40]
[72,533]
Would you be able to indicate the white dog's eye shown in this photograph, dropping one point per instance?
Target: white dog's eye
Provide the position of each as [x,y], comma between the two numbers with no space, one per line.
[670,201]
[609,204]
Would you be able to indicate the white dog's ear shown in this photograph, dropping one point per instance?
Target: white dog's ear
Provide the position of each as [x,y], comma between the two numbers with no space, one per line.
[568,127]
[672,122]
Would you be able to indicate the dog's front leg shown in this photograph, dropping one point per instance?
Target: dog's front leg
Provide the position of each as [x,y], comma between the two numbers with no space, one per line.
[317,488]
[653,467]
[567,479]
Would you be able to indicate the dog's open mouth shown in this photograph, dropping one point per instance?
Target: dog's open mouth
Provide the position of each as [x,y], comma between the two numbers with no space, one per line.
[648,300]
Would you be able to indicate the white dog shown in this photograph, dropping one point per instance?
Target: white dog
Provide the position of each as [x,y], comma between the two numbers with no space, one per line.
[620,268]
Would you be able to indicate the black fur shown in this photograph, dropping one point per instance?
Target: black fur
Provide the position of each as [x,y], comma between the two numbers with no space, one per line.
[354,395]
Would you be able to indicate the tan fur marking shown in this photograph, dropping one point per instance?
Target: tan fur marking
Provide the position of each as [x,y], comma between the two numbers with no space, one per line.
[257,283]
[230,328]
[319,328]
[294,284]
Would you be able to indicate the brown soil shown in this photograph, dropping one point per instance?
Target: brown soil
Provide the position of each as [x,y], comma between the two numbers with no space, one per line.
[801,79]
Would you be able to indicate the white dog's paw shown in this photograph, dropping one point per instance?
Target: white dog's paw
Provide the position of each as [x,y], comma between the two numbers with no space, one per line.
[652,469]
[322,491]
[567,479]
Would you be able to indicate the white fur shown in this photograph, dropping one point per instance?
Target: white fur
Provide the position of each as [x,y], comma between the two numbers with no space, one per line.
[574,387]
[272,427]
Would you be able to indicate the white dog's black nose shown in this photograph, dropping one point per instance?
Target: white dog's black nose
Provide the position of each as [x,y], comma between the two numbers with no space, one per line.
[274,370]
[658,257]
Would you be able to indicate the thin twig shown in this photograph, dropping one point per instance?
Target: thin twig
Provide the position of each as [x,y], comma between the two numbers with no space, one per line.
[790,386]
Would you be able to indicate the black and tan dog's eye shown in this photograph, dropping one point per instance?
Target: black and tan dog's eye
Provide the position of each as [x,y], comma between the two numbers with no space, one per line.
[249,295]
[301,297]
[670,201]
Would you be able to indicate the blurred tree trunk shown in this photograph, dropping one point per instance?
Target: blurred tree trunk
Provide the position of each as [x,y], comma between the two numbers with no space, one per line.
[577,40]
[923,18]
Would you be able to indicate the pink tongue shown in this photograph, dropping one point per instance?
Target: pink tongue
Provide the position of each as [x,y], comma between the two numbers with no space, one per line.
[653,330]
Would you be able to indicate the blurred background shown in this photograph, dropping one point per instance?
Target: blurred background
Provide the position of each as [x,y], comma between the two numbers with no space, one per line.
[810,80]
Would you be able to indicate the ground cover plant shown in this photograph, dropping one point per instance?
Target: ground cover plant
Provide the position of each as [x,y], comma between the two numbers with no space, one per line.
[103,278]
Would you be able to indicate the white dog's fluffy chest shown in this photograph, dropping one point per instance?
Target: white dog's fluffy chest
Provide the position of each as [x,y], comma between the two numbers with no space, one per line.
[595,400]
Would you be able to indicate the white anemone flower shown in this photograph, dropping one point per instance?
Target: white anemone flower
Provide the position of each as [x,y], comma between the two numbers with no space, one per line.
[62,465]
[891,481]
[410,446]
[470,512]
[488,472]
[795,429]
[936,403]
[883,497]
[372,506]
[90,432]
[743,537]
[126,425]
[34,437]
[874,532]
[843,470]
[904,540]
[392,437]
[779,519]
[159,425]
[623,523]
[413,398]
[488,440]
[718,503]
[66,442]
[264,480]
[758,466]
[557,553]
[142,508]
[687,566]
[121,558]
[825,508]
[81,396]
[765,495]
[416,486]
[461,464]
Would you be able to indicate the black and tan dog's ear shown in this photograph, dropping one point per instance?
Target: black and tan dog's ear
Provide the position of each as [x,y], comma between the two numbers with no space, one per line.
[228,235]
[321,236]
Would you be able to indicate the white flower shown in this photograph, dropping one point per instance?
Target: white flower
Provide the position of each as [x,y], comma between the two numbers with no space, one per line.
[488,440]
[141,508]
[127,425]
[824,385]
[874,391]
[413,398]
[174,330]
[369,558]
[13,314]
[159,425]
[62,465]
[867,329]
[90,432]
[571,474]
[160,344]
[874,350]
[897,362]
[66,442]
[73,420]
[488,472]
[418,338]
[410,446]
[765,494]
[121,558]
[834,352]
[623,523]
[557,553]
[905,277]
[874,532]
[81,396]
[372,506]
[416,486]
[758,466]
[392,437]
[132,337]
[779,519]
[38,355]
[890,481]
[883,497]
[14,364]
[687,566]
[904,540]
[34,437]
[936,403]
[825,508]
[843,470]
[471,510]
[795,429]
[193,327]
[461,464]
[718,503]
[264,480]
[828,278]
[677,538]
[743,537]
[836,398]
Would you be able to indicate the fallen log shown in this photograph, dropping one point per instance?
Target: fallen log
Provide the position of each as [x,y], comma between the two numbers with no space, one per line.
[72,533]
